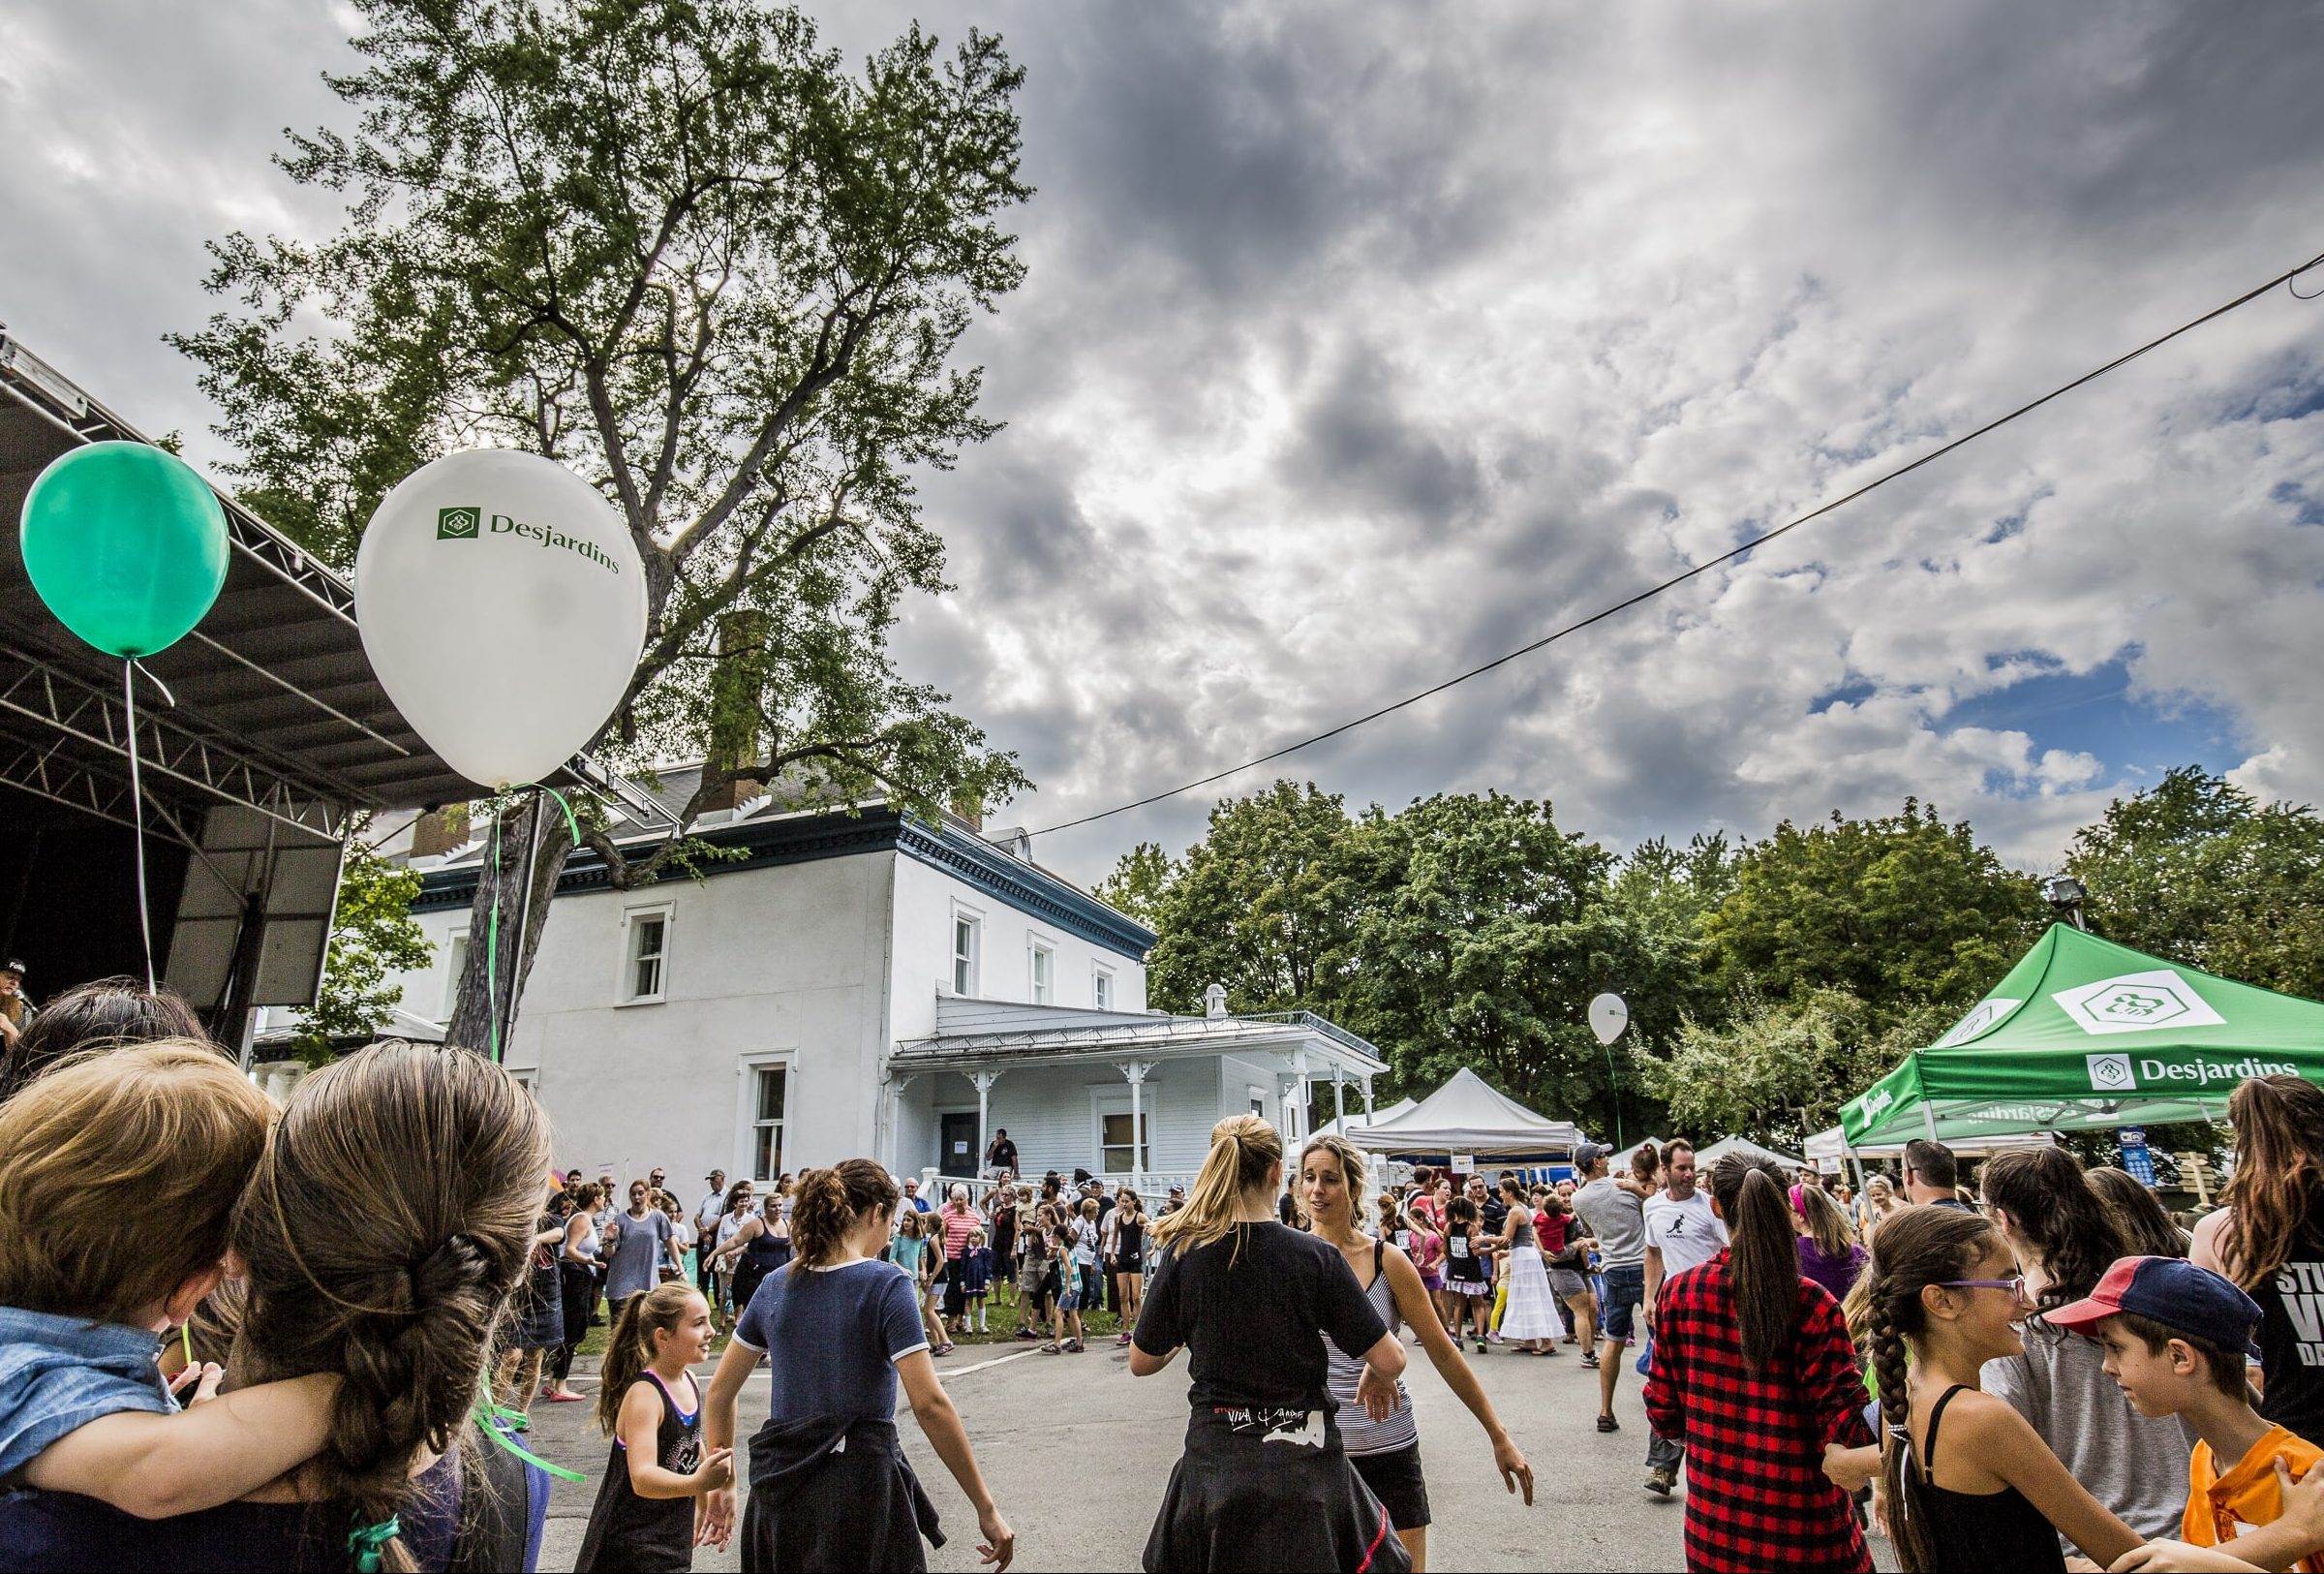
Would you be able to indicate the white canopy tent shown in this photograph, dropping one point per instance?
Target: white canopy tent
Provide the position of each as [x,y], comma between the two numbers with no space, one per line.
[1705,1158]
[1826,1149]
[1466,1116]
[1348,1127]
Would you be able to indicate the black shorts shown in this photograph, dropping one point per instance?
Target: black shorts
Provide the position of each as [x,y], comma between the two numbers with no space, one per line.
[1395,1480]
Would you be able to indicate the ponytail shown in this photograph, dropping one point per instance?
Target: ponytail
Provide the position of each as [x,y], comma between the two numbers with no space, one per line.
[1916,1248]
[1763,1265]
[630,1347]
[1243,1148]
[828,1204]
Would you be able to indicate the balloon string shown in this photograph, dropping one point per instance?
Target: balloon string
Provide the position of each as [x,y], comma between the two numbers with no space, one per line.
[492,939]
[136,806]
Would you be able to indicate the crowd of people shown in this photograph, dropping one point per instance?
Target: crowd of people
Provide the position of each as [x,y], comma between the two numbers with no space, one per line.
[239,1335]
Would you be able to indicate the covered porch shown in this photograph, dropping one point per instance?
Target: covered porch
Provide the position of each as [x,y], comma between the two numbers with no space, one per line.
[1130,1098]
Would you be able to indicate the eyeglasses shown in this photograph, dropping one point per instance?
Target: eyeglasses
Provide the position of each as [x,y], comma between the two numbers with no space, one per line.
[2015,1286]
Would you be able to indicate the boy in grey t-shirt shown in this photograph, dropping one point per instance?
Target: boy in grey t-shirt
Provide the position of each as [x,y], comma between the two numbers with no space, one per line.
[1616,1216]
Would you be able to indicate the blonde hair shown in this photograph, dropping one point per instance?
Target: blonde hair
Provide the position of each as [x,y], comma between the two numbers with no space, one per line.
[167,1132]
[1353,1170]
[630,1347]
[1243,1148]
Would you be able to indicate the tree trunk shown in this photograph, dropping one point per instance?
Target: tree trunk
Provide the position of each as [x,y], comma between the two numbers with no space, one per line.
[499,881]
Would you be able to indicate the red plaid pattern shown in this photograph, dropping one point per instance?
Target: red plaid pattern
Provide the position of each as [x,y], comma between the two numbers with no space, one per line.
[1757,1496]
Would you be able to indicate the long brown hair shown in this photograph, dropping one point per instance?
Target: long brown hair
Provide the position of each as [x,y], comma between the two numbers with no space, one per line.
[1763,1261]
[1243,1148]
[1918,1248]
[2147,1231]
[2279,1180]
[389,1219]
[629,1347]
[828,1204]
[1827,1226]
[2050,1203]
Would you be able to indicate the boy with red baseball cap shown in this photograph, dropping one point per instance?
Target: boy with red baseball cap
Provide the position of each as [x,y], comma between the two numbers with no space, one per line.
[2176,1339]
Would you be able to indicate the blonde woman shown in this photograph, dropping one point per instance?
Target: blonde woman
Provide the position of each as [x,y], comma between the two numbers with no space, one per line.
[1265,1481]
[1387,1454]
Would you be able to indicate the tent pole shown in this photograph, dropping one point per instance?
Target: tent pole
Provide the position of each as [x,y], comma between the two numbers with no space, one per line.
[1928,1117]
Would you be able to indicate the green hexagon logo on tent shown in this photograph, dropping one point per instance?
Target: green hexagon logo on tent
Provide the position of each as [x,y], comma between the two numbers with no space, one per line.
[2137,1003]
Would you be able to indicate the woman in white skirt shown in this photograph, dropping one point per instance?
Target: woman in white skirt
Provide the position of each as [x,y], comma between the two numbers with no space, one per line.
[1531,1320]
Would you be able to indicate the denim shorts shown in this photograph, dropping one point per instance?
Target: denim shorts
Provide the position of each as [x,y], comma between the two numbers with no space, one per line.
[1625,1288]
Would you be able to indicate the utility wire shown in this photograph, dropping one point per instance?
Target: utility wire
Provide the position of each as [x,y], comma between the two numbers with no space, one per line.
[2246,298]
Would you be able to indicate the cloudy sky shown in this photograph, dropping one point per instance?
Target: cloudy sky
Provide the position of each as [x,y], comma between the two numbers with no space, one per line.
[1364,343]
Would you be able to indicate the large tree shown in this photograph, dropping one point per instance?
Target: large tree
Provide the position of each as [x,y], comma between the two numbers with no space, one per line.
[677,246]
[2199,869]
[1901,911]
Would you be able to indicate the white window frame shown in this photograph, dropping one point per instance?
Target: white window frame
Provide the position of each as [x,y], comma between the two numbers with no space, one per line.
[1040,990]
[1102,987]
[667,913]
[969,969]
[747,1067]
[1259,1099]
[1105,1101]
[455,955]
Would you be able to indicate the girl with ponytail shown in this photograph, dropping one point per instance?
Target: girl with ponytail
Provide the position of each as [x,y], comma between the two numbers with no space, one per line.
[1967,1482]
[1265,1481]
[644,1515]
[1755,1375]
[391,1215]
[840,1331]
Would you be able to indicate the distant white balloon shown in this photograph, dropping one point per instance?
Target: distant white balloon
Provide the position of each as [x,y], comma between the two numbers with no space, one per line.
[1608,1016]
[503,604]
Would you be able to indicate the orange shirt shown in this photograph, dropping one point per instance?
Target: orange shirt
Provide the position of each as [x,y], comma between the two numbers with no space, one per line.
[2220,1506]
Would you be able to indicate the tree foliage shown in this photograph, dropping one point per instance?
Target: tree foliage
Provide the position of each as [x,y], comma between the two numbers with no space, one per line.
[373,938]
[679,247]
[2198,870]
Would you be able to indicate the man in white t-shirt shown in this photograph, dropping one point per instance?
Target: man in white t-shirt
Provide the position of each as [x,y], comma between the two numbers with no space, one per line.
[706,1231]
[1681,1233]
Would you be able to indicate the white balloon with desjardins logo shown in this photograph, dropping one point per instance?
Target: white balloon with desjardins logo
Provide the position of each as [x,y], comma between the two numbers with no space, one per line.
[502,605]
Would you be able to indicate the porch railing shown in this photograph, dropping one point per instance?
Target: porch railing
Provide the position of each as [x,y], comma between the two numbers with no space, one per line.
[1151,1185]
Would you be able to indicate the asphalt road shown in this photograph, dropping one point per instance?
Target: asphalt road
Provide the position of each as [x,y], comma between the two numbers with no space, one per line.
[1078,1452]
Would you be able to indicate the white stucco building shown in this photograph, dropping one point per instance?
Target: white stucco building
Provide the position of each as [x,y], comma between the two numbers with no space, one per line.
[868,984]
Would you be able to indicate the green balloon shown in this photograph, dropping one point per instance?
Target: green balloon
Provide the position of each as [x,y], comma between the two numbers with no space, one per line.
[126,544]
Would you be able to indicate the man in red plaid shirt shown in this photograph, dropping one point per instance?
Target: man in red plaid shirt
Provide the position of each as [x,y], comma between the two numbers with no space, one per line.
[1757,1496]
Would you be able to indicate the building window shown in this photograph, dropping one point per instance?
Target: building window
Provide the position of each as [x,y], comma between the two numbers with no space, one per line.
[1259,1103]
[766,1125]
[966,943]
[1113,1156]
[459,965]
[1101,989]
[1045,973]
[646,956]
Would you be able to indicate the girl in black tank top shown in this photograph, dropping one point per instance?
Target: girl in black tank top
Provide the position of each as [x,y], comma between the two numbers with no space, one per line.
[1945,1299]
[644,1515]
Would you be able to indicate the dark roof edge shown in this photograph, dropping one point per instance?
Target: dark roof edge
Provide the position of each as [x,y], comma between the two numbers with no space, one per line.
[804,839]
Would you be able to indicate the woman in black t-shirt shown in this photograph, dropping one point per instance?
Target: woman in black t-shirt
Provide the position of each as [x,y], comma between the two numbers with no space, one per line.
[1264,1482]
[2269,1237]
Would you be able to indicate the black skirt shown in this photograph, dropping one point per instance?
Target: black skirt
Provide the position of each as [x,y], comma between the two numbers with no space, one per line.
[1245,1495]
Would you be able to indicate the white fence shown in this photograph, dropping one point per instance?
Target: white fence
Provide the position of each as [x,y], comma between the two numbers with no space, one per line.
[1151,1185]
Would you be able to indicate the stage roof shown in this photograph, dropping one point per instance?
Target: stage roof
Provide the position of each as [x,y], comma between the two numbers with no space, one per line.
[277,708]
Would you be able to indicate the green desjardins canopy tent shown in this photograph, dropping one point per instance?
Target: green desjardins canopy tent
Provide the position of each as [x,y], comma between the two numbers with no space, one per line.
[2086,1033]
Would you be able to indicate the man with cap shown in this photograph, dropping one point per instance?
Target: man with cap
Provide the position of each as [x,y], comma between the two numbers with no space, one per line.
[1175,1201]
[14,1009]
[1616,1216]
[706,1214]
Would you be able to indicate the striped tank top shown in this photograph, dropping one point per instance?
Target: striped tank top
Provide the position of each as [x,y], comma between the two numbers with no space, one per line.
[1358,1433]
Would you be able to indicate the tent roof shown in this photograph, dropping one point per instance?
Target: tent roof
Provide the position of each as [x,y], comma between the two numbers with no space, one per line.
[1833,1146]
[1618,1164]
[1355,1122]
[2084,1033]
[1704,1158]
[1467,1116]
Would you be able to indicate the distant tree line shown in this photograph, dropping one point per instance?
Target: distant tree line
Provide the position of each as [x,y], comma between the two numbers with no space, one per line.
[1768,981]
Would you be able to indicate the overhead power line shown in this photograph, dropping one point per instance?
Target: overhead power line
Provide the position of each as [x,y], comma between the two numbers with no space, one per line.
[1602,614]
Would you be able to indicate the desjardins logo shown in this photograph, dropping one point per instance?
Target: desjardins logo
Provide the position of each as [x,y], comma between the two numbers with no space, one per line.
[467,524]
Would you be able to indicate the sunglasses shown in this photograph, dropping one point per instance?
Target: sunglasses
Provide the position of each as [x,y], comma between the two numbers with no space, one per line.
[2015,1286]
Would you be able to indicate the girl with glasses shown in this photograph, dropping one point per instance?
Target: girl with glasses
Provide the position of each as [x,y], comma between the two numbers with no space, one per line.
[1969,1481]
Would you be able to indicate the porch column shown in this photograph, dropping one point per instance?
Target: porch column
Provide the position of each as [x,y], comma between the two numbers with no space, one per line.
[897,1083]
[1134,1072]
[1339,1099]
[984,1081]
[1298,1072]
[1367,1101]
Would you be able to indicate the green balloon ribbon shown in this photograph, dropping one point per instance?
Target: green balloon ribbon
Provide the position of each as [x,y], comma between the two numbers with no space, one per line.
[366,1543]
[489,1416]
[492,922]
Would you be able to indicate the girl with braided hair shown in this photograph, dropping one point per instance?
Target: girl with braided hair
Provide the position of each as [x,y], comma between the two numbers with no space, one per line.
[391,1215]
[1969,1483]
